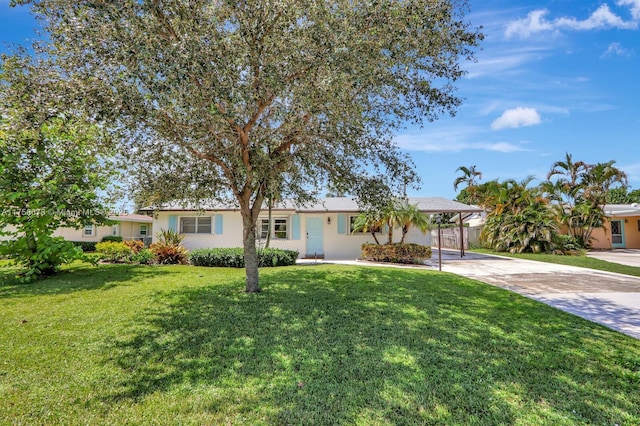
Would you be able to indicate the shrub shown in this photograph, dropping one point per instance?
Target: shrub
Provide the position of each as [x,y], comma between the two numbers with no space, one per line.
[144,257]
[168,250]
[566,244]
[134,245]
[396,253]
[86,246]
[166,254]
[234,257]
[169,237]
[115,238]
[113,251]
[276,257]
[46,259]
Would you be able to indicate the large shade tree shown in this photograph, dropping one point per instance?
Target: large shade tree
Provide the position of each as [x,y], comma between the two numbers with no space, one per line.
[226,100]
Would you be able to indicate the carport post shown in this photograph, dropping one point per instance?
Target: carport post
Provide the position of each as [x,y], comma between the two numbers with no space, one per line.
[438,221]
[461,237]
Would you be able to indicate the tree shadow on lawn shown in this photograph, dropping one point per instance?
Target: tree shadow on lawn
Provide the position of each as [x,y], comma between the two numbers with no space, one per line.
[78,277]
[331,345]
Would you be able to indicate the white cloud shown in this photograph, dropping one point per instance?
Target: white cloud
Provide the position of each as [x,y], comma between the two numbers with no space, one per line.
[603,17]
[452,140]
[616,49]
[517,117]
[634,6]
[533,23]
[500,61]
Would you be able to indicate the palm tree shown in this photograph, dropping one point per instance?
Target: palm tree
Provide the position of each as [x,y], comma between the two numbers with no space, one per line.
[469,175]
[570,176]
[370,221]
[407,215]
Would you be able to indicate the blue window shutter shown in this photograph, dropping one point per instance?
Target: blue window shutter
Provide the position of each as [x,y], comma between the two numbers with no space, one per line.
[218,226]
[342,224]
[173,223]
[295,227]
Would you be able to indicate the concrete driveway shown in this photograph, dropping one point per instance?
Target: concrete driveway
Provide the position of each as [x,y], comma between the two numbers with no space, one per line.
[629,257]
[609,299]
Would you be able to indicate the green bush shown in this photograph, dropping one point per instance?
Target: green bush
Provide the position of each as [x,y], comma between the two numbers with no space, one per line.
[234,257]
[144,256]
[86,246]
[113,251]
[46,259]
[566,244]
[115,238]
[396,253]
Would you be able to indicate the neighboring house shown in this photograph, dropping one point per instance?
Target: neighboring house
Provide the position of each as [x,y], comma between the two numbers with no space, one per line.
[323,229]
[129,227]
[621,229]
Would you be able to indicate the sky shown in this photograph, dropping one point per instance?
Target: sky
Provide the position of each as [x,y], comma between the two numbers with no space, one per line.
[551,77]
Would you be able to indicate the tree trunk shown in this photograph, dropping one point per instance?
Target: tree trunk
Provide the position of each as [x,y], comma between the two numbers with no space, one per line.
[250,252]
[390,232]
[269,204]
[373,233]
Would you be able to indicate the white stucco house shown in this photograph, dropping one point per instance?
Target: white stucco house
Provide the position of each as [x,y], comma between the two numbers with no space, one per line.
[322,230]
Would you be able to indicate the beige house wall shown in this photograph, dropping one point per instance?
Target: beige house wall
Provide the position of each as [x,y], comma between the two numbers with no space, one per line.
[334,245]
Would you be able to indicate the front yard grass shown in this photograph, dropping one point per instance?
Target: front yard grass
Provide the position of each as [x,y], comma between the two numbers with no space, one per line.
[320,345]
[582,261]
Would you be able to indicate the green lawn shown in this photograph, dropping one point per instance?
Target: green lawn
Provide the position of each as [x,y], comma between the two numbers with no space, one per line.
[320,345]
[582,261]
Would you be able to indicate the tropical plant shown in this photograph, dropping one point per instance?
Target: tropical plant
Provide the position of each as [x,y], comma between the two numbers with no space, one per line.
[407,216]
[168,250]
[371,221]
[469,176]
[520,219]
[579,193]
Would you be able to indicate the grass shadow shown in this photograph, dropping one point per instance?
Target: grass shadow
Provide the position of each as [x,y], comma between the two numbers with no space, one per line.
[333,345]
[76,277]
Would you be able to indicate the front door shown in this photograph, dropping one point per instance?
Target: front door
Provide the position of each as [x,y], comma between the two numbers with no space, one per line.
[617,234]
[314,237]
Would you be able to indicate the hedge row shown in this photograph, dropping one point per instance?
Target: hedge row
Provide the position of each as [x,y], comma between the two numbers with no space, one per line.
[234,257]
[396,253]
[86,246]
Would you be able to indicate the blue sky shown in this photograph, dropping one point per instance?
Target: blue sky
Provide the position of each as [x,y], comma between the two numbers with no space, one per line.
[552,77]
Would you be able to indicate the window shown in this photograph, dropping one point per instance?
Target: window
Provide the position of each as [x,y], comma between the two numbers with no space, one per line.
[195,225]
[114,230]
[279,228]
[264,229]
[143,229]
[89,231]
[638,224]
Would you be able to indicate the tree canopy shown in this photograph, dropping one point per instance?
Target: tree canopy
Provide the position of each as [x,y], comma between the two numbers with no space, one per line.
[237,100]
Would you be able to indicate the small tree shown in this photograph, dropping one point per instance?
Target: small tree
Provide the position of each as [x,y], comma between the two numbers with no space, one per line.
[50,169]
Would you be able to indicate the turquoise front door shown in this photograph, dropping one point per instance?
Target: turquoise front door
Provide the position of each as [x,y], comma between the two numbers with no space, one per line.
[617,234]
[314,236]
